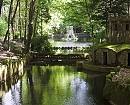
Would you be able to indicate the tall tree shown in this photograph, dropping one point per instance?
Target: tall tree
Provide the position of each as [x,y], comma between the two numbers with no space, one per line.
[9,24]
[13,17]
[1,2]
[11,21]
[30,24]
[25,23]
[20,29]
[43,14]
[38,13]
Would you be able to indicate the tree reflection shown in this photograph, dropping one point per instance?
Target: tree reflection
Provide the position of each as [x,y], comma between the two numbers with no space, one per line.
[49,83]
[30,81]
[60,85]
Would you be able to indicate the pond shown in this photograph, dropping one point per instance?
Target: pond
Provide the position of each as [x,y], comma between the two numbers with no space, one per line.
[55,85]
[70,44]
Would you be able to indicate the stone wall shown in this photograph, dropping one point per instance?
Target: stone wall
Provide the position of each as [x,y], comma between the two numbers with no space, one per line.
[123,57]
[119,28]
[111,56]
[9,68]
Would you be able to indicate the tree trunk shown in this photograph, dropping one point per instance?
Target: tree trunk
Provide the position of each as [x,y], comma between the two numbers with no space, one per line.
[12,19]
[20,21]
[41,23]
[35,25]
[30,25]
[25,27]
[9,22]
[93,55]
[1,6]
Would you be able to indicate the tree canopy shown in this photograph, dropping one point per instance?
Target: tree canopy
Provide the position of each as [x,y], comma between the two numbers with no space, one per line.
[30,18]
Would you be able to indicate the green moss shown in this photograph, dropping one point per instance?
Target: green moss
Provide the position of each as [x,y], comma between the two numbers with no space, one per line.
[120,47]
[113,47]
[101,45]
[113,73]
[110,75]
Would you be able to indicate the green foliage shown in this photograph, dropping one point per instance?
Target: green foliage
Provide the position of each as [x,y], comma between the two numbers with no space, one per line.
[3,27]
[109,77]
[109,6]
[5,62]
[53,16]
[97,46]
[12,44]
[83,12]
[17,34]
[41,44]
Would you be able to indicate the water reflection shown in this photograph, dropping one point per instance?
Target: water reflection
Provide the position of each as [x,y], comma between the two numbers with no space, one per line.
[10,91]
[55,85]
[79,46]
[69,44]
[13,96]
[80,89]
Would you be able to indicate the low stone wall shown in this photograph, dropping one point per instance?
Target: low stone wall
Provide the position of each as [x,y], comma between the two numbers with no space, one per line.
[10,72]
[10,67]
[112,58]
[99,58]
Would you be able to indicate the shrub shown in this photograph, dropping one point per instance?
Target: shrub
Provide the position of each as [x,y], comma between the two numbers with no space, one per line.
[41,44]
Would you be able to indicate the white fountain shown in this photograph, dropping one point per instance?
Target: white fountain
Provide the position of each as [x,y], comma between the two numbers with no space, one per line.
[70,36]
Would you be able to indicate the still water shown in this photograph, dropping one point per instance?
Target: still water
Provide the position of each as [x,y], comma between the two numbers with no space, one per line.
[55,85]
[70,44]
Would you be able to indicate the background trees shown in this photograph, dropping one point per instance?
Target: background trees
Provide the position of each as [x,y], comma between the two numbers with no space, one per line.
[46,17]
[89,13]
[23,23]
